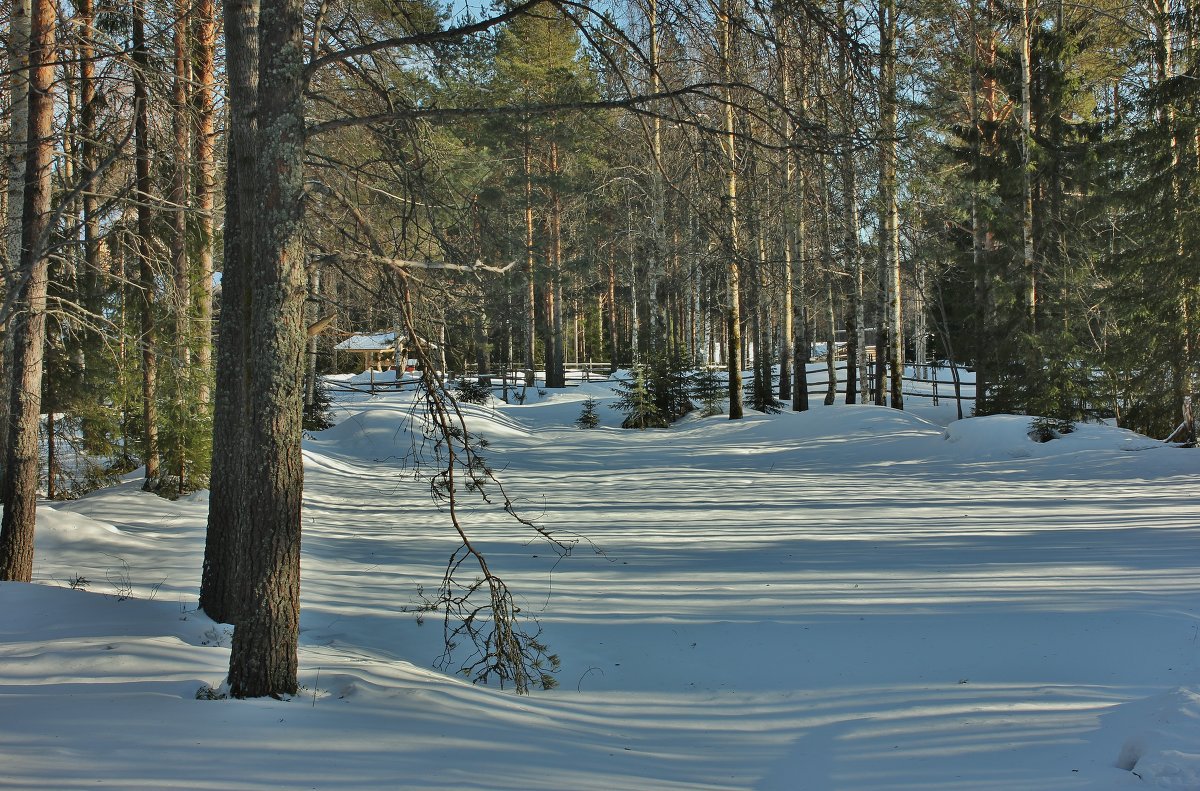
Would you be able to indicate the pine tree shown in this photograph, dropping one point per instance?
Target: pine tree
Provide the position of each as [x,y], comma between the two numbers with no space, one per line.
[588,418]
[636,400]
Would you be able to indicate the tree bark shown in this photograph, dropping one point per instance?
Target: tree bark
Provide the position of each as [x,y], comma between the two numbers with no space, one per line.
[787,236]
[263,659]
[1027,256]
[530,268]
[181,356]
[851,224]
[555,373]
[221,591]
[890,241]
[205,44]
[729,144]
[145,225]
[16,155]
[19,488]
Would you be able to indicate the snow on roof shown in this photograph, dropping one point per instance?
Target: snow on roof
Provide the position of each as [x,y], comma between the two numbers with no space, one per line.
[377,342]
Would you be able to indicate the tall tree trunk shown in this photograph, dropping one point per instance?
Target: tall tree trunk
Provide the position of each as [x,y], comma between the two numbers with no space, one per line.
[612,311]
[851,223]
[979,235]
[1027,257]
[890,243]
[145,225]
[181,356]
[830,343]
[530,268]
[555,374]
[314,315]
[729,143]
[787,235]
[263,659]
[802,345]
[18,493]
[658,199]
[830,306]
[91,274]
[483,356]
[15,154]
[221,587]
[18,127]
[854,352]
[205,44]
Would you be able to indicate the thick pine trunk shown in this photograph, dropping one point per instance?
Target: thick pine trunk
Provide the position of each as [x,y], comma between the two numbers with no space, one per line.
[263,660]
[18,492]
[221,594]
[15,154]
[18,128]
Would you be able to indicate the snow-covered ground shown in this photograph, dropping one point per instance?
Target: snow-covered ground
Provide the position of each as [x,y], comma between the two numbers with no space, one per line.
[849,598]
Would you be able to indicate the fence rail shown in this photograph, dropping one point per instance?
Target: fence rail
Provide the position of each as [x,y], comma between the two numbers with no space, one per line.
[937,382]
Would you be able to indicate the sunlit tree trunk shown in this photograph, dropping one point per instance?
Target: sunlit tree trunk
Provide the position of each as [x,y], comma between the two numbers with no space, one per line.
[145,225]
[555,375]
[18,492]
[15,154]
[729,145]
[530,267]
[205,43]
[181,357]
[1027,255]
[890,241]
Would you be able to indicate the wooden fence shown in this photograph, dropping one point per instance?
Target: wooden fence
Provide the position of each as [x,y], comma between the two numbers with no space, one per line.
[932,382]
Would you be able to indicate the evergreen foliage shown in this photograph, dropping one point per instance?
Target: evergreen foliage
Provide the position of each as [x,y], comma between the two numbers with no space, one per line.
[317,416]
[636,401]
[1044,429]
[588,418]
[472,391]
[657,395]
[708,387]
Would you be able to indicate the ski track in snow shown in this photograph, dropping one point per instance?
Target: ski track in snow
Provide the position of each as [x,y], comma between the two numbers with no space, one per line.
[850,598]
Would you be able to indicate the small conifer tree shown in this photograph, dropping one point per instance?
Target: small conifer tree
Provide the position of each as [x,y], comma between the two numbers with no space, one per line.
[636,401]
[316,414]
[669,385]
[588,417]
[707,387]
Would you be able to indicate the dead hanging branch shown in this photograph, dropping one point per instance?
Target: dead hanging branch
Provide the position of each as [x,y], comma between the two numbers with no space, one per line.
[477,606]
[407,264]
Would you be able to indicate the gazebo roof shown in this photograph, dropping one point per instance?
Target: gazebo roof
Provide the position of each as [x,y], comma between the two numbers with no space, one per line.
[374,342]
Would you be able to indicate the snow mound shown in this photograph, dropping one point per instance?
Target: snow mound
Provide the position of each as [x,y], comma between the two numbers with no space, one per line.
[1166,754]
[56,527]
[374,433]
[1008,436]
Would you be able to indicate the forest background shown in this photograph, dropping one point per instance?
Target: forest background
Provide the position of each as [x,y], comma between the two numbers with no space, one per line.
[1008,185]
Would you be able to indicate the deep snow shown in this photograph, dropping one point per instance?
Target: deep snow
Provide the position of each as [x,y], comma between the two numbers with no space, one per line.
[850,598]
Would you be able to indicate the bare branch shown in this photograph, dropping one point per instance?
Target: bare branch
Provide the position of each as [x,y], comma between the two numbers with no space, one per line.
[407,264]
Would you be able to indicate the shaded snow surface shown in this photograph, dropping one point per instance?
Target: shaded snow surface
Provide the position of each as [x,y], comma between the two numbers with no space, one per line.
[850,598]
